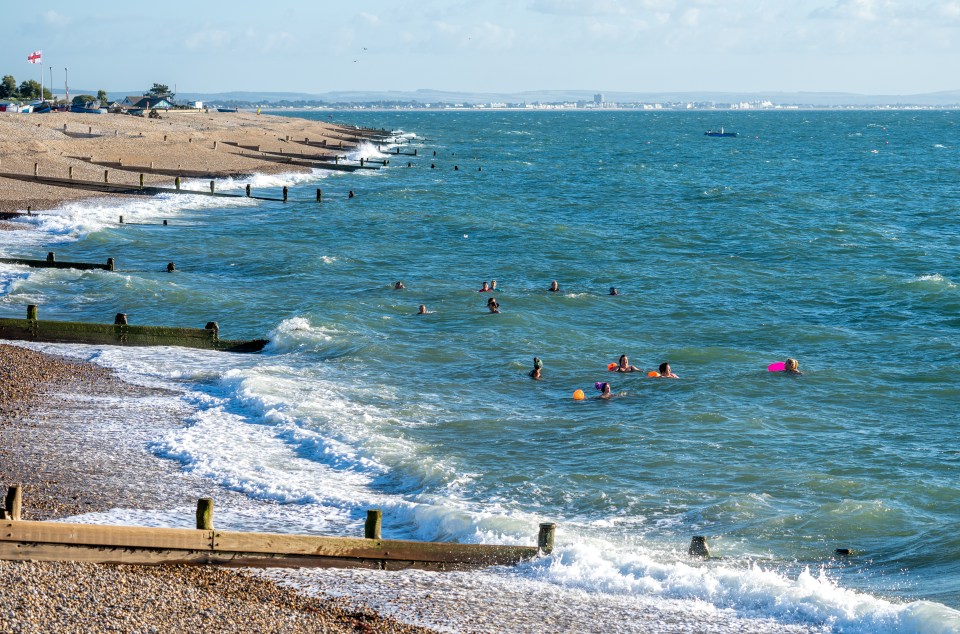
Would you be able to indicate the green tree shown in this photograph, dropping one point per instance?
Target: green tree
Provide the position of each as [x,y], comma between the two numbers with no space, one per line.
[30,89]
[102,97]
[8,87]
[160,91]
[82,99]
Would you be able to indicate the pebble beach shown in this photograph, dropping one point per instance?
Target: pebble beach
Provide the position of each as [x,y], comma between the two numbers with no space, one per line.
[44,444]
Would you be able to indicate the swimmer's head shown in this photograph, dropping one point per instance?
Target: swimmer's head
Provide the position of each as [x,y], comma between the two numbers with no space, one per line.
[600,385]
[537,363]
[665,368]
[791,365]
[614,291]
[623,360]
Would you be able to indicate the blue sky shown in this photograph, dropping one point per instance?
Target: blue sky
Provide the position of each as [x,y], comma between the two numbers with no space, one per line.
[860,46]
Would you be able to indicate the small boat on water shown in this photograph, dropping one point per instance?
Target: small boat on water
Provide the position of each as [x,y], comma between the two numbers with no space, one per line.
[721,132]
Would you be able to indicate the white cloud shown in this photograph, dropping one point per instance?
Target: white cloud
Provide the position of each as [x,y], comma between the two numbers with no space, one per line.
[369,18]
[579,7]
[55,19]
[208,39]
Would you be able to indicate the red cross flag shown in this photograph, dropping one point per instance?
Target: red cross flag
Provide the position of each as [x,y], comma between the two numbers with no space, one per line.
[34,58]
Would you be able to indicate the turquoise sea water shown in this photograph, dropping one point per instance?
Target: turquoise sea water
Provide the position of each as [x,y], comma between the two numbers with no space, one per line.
[831,237]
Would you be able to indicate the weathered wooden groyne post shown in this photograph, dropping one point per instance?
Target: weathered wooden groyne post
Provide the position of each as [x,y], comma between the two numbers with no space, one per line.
[205,514]
[371,528]
[698,547]
[12,503]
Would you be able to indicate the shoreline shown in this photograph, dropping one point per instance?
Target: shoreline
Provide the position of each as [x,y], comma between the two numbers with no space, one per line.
[46,403]
[191,141]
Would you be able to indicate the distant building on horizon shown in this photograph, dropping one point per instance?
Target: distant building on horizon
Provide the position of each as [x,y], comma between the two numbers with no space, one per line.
[598,100]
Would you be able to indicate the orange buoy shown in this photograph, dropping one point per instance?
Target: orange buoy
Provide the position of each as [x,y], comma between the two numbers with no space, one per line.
[653,373]
[578,395]
[611,367]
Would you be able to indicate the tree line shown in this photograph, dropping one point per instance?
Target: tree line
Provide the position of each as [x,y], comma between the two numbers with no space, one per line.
[30,90]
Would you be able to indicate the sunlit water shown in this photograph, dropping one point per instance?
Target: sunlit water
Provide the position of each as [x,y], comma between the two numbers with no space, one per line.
[831,237]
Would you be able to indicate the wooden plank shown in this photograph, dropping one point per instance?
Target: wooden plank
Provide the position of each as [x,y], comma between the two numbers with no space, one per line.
[95,535]
[357,548]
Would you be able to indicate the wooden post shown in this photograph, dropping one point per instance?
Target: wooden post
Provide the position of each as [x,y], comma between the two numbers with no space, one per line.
[213,326]
[141,181]
[164,222]
[371,530]
[164,137]
[176,183]
[545,538]
[36,169]
[51,257]
[698,547]
[32,311]
[90,129]
[284,193]
[214,145]
[151,164]
[319,195]
[211,187]
[70,172]
[106,176]
[205,514]
[13,501]
[110,264]
[248,190]
[121,219]
[120,319]
[361,161]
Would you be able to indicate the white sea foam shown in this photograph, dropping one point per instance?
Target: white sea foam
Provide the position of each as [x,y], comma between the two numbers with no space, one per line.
[366,150]
[934,279]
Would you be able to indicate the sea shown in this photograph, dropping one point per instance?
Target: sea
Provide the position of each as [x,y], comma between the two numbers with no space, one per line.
[829,500]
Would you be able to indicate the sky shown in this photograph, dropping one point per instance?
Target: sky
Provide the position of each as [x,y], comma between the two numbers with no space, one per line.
[877,47]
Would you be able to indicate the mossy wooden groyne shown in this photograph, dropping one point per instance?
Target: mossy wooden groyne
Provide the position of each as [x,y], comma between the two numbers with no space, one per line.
[121,333]
[54,541]
[52,263]
[165,171]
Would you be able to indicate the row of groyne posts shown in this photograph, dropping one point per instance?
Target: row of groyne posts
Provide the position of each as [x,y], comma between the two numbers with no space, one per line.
[56,541]
[314,161]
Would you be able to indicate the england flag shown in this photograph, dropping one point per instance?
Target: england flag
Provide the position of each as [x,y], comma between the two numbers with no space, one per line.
[34,58]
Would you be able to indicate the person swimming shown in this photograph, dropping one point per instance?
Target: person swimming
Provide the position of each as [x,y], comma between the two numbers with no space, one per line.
[537,368]
[791,366]
[614,291]
[604,388]
[493,305]
[493,285]
[423,310]
[485,288]
[399,286]
[554,287]
[666,372]
[623,365]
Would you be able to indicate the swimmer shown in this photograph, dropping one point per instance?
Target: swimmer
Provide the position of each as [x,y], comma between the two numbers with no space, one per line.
[537,368]
[614,291]
[493,305]
[604,388]
[485,288]
[790,366]
[554,287]
[623,365]
[423,310]
[493,285]
[399,286]
[666,372]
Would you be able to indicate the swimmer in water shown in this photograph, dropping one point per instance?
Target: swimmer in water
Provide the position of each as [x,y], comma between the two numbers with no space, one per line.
[604,388]
[493,285]
[493,305]
[554,287]
[423,310]
[399,286]
[790,366]
[485,288]
[537,368]
[614,291]
[666,372]
[623,365]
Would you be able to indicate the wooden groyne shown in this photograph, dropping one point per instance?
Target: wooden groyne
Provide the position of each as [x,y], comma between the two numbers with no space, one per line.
[52,263]
[121,333]
[162,171]
[134,190]
[54,541]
